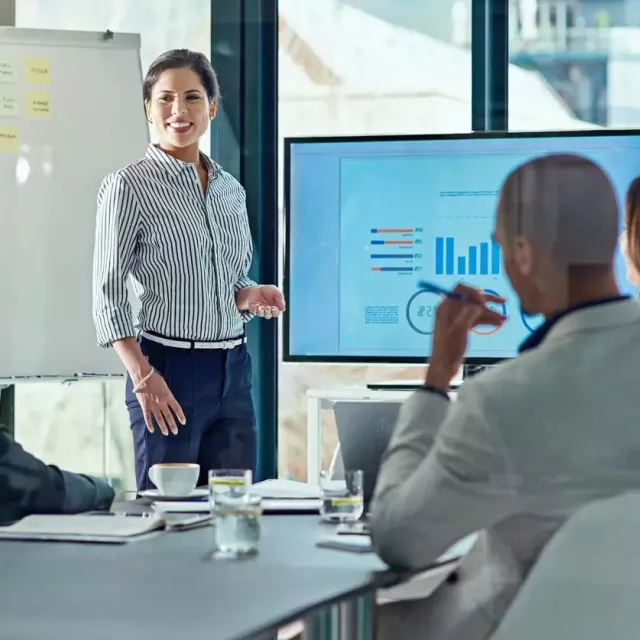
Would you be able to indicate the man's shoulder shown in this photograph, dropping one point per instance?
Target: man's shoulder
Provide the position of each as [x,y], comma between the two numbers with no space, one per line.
[511,378]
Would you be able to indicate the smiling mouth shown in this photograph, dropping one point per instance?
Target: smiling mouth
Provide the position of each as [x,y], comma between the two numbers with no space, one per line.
[179,127]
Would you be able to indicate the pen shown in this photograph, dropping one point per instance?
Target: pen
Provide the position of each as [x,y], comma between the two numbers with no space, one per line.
[434,288]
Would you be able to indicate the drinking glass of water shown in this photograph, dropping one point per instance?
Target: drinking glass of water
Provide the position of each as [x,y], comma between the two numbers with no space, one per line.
[342,498]
[236,514]
[237,524]
[235,482]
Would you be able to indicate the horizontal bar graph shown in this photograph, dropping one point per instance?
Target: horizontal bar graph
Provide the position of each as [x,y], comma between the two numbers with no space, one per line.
[391,246]
[447,263]
[402,242]
[399,269]
[392,256]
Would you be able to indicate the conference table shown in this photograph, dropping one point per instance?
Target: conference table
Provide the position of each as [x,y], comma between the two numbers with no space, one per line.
[170,586]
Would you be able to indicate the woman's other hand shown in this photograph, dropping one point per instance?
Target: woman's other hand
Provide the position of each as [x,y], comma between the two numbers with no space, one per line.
[158,404]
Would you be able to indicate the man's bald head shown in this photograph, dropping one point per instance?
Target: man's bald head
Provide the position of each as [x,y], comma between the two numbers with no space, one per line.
[566,207]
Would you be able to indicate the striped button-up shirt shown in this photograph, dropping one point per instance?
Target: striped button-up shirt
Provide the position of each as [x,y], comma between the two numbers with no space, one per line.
[187,254]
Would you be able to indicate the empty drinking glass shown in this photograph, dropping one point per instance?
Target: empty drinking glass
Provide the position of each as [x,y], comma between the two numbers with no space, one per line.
[342,498]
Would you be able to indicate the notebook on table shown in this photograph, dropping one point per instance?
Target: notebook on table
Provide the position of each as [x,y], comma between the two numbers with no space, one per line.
[111,528]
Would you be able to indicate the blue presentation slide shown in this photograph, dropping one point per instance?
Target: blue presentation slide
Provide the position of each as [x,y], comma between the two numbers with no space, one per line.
[369,219]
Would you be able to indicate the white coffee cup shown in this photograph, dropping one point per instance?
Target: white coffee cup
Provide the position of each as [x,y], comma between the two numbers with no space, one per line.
[175,479]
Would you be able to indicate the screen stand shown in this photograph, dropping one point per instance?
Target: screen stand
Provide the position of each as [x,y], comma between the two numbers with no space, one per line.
[403,385]
[395,385]
[470,370]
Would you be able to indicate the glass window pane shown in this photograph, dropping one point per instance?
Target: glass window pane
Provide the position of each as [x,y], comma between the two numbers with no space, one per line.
[574,65]
[84,426]
[363,67]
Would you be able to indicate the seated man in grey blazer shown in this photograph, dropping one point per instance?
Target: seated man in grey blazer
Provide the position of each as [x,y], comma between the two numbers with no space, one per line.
[29,486]
[531,440]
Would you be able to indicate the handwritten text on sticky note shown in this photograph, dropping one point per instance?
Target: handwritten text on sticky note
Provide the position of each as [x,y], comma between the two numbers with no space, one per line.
[9,139]
[8,102]
[39,104]
[38,71]
[7,70]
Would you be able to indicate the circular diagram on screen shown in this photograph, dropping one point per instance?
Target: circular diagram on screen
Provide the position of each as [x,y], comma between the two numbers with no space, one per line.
[531,323]
[421,311]
[494,306]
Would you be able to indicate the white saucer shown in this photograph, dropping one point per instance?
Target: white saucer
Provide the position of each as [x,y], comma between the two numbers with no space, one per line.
[154,494]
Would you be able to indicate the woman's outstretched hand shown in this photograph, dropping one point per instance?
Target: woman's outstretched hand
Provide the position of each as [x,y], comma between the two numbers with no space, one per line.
[263,300]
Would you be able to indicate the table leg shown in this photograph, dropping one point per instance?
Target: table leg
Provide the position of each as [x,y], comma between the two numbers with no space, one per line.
[313,441]
[322,626]
[356,618]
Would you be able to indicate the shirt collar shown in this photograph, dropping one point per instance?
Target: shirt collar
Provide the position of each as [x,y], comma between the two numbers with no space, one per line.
[536,338]
[174,166]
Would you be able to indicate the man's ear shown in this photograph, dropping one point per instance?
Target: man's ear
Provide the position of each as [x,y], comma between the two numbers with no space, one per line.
[523,255]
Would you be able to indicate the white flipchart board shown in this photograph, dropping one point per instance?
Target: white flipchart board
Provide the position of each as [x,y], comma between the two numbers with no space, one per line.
[70,112]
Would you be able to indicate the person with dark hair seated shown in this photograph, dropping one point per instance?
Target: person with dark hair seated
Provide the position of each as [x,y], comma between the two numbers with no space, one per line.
[530,441]
[630,239]
[28,486]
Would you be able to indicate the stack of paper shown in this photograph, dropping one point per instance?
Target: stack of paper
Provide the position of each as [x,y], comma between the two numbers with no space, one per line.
[286,490]
[288,495]
[278,496]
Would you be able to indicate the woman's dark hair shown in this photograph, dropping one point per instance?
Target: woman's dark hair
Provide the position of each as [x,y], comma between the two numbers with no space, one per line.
[632,223]
[182,59]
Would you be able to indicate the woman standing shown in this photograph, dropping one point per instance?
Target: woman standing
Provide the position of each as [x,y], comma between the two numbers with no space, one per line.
[176,223]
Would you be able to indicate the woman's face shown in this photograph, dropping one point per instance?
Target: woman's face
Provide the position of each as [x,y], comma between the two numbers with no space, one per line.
[632,273]
[180,108]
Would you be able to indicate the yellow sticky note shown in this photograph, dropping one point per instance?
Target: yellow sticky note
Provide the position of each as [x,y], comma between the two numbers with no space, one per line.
[8,102]
[39,104]
[38,71]
[9,139]
[7,70]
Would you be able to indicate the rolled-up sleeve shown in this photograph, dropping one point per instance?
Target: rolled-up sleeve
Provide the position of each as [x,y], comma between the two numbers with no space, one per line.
[117,225]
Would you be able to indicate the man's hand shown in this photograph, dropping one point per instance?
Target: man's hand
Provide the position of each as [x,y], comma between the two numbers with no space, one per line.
[263,300]
[454,319]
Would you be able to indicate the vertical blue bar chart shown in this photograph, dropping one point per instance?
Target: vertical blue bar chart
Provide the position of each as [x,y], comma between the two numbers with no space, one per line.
[439,256]
[449,256]
[473,260]
[495,258]
[447,262]
[484,258]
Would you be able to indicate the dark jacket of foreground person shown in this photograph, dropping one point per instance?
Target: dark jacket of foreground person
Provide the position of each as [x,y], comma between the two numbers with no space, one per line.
[29,486]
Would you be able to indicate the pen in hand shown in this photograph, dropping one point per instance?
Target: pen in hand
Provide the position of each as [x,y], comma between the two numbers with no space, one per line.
[434,288]
[472,299]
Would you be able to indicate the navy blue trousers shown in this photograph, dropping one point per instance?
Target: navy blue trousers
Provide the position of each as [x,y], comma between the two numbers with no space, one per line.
[213,387]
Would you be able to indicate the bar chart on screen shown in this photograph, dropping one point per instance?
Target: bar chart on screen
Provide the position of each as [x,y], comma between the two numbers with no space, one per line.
[450,259]
[395,249]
